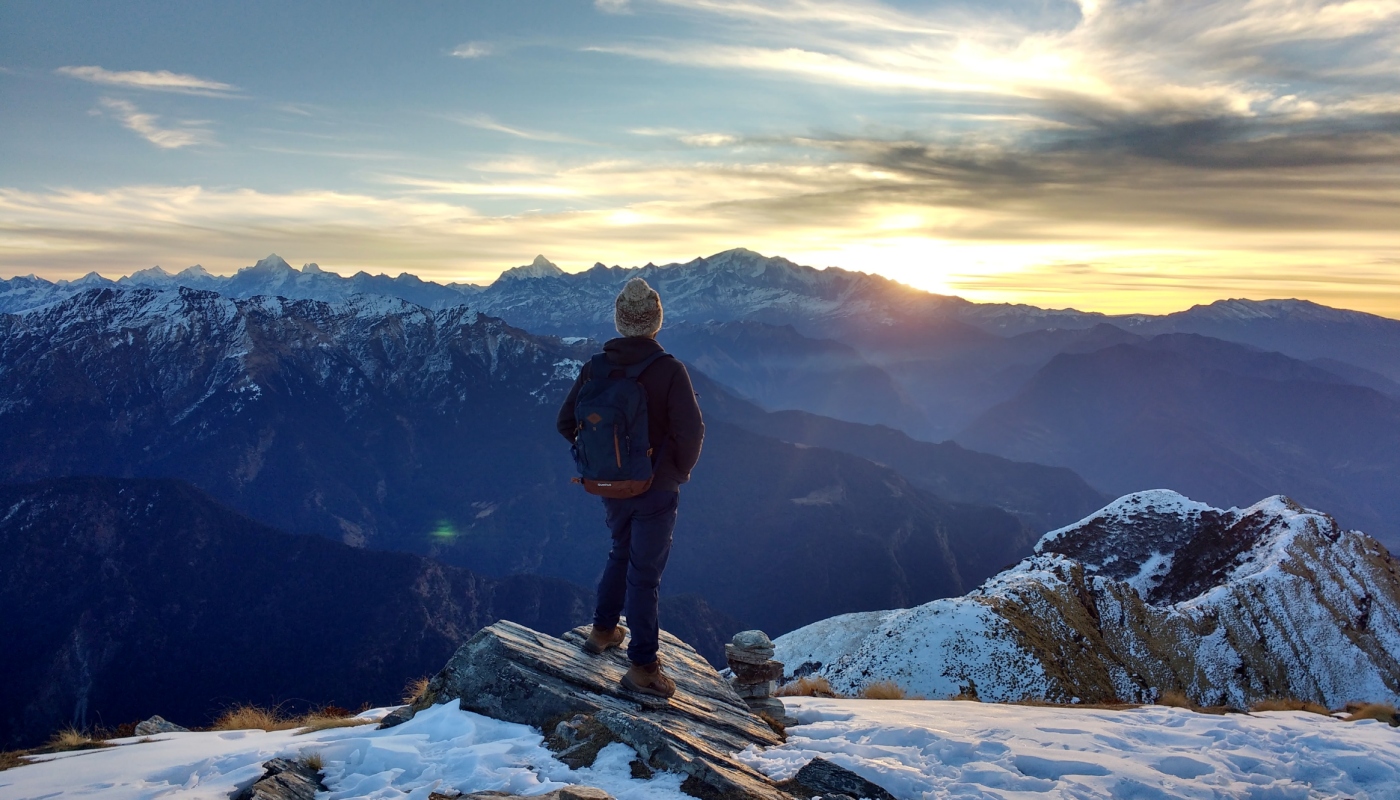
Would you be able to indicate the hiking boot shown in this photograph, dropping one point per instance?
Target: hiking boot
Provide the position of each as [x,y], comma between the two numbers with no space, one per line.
[601,639]
[649,679]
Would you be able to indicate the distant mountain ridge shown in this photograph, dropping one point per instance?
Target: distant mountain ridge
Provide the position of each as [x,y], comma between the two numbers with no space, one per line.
[1153,593]
[740,284]
[127,598]
[387,425]
[1220,421]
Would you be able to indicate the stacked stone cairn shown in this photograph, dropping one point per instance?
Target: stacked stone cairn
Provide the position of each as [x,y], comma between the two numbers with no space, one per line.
[756,674]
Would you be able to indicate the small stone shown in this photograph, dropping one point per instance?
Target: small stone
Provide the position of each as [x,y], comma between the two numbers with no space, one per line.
[757,673]
[158,724]
[755,691]
[752,640]
[743,656]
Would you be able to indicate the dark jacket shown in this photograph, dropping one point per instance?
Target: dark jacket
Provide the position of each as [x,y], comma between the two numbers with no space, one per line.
[674,426]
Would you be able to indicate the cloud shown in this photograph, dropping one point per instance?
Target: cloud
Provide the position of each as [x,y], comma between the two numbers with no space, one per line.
[473,50]
[486,123]
[709,139]
[1159,58]
[160,81]
[613,6]
[191,133]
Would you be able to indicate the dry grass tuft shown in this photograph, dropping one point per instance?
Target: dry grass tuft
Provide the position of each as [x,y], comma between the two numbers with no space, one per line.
[248,717]
[71,738]
[11,759]
[965,697]
[1289,704]
[882,690]
[1176,698]
[1384,712]
[808,686]
[415,689]
[313,761]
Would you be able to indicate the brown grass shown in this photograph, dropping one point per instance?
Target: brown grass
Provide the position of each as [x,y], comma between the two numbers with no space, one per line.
[1385,712]
[882,690]
[69,738]
[249,717]
[807,686]
[11,759]
[313,761]
[965,697]
[1176,699]
[1289,704]
[415,689]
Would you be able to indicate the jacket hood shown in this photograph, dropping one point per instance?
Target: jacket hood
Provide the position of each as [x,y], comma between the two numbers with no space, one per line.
[630,349]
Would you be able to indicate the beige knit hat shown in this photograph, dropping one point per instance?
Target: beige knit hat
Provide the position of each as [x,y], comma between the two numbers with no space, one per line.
[638,310]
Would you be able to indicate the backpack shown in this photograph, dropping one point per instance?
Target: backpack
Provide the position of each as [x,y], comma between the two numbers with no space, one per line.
[611,446]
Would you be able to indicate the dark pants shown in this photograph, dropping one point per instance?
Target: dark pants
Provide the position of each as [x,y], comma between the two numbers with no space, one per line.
[641,542]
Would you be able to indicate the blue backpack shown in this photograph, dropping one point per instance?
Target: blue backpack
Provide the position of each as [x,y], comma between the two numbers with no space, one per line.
[611,446]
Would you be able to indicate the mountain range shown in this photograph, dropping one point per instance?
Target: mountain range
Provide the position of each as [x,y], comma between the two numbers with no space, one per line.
[1154,593]
[870,446]
[389,426]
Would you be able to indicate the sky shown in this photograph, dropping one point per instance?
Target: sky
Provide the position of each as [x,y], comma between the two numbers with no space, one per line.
[1107,155]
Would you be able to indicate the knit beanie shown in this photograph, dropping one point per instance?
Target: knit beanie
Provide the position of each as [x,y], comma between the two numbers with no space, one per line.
[638,310]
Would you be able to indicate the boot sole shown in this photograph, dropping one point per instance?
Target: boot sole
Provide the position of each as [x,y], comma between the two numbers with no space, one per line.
[646,690]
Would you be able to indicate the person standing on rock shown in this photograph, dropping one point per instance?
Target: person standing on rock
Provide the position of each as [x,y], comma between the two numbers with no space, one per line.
[636,431]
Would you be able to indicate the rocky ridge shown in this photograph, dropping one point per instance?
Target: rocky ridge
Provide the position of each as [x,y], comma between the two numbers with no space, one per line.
[510,672]
[1153,593]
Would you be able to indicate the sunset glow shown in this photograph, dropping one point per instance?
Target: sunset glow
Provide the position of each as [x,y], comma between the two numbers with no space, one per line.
[1112,156]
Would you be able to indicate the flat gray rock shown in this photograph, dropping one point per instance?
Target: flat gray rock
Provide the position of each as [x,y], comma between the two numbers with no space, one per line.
[510,672]
[825,779]
[158,724]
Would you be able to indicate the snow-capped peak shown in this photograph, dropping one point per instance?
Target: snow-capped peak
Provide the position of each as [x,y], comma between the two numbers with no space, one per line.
[273,263]
[311,269]
[541,267]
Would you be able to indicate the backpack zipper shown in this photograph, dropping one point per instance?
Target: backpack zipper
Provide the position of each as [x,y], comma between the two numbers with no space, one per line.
[617,448]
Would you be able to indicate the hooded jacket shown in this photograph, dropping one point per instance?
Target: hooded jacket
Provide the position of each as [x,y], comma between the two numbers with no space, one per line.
[674,426]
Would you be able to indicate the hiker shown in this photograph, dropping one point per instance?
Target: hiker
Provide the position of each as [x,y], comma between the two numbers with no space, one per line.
[633,378]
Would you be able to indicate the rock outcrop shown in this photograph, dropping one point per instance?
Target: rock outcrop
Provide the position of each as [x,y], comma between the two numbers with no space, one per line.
[821,778]
[510,672]
[284,779]
[1153,593]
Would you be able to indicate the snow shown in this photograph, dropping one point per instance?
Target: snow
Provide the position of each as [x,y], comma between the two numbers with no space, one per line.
[1302,609]
[441,748]
[1164,502]
[917,750]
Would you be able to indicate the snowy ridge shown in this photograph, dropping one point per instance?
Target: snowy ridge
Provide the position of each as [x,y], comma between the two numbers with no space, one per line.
[1155,592]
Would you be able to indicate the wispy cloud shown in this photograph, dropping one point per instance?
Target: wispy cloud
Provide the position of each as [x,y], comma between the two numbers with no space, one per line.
[486,123]
[160,81]
[473,50]
[191,132]
[613,6]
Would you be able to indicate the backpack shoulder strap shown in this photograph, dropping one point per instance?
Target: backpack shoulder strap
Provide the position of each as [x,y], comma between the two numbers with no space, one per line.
[635,371]
[599,368]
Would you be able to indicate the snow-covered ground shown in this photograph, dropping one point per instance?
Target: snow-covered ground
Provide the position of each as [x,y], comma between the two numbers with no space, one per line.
[916,749]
